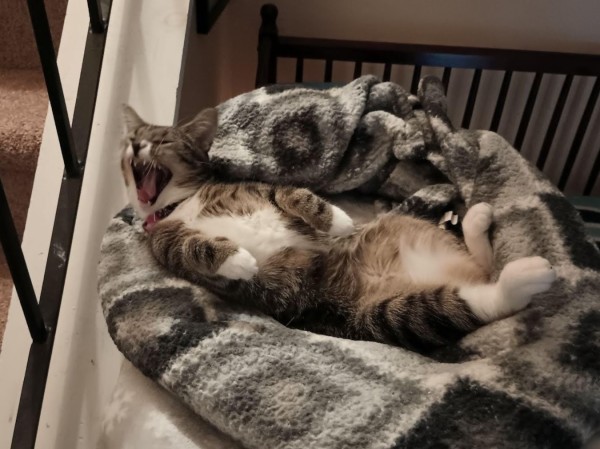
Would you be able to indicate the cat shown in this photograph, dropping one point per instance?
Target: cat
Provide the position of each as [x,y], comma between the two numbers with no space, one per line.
[294,256]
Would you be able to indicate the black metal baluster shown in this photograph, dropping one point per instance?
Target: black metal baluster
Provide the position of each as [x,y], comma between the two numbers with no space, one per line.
[446,77]
[96,20]
[207,13]
[579,134]
[19,272]
[299,69]
[501,100]
[40,353]
[414,85]
[43,39]
[328,70]
[553,125]
[471,99]
[591,182]
[387,72]
[357,69]
[524,125]
[266,68]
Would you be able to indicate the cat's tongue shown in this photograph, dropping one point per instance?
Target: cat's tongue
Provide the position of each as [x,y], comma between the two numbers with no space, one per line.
[150,221]
[146,192]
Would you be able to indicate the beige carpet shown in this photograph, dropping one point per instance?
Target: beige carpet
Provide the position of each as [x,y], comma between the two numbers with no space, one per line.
[22,112]
[23,106]
[18,50]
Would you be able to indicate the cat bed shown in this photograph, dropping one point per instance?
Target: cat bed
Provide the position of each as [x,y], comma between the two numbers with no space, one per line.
[528,381]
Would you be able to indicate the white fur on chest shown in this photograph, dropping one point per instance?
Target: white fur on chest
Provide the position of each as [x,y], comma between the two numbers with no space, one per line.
[262,233]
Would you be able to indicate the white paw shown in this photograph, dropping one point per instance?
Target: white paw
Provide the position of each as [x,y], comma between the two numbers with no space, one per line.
[523,278]
[341,223]
[478,219]
[240,265]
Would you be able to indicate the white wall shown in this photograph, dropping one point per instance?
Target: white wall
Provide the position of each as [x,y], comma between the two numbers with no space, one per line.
[223,63]
[141,66]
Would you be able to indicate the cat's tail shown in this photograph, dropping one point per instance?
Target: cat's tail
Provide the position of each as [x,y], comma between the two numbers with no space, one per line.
[421,320]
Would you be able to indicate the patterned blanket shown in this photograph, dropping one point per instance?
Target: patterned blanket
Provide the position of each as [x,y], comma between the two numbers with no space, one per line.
[528,381]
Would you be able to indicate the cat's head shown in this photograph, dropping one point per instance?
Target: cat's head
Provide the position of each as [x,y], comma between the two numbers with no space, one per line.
[163,165]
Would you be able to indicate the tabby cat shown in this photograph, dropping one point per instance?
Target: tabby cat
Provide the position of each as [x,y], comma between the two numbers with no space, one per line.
[294,256]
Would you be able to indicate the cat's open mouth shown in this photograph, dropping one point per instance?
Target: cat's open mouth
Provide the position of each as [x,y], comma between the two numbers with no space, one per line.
[150,180]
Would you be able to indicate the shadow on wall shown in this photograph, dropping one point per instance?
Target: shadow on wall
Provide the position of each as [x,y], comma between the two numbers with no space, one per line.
[223,64]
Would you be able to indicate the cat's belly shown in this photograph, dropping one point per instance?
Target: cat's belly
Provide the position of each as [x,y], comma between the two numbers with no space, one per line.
[262,232]
[424,266]
[416,266]
[398,251]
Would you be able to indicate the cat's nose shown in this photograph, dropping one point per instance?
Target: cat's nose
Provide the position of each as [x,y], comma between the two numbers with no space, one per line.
[136,148]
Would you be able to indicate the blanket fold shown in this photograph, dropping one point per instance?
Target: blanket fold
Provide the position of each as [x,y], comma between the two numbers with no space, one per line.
[529,381]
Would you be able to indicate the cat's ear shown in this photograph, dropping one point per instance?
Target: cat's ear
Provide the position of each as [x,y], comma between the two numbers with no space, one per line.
[131,120]
[202,128]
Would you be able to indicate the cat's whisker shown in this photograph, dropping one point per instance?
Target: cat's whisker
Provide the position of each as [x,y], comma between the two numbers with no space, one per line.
[161,142]
[184,120]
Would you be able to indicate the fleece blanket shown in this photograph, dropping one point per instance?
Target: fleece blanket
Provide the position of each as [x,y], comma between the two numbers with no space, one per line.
[528,381]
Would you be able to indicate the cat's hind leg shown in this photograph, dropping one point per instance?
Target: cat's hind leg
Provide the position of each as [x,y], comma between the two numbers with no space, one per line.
[423,319]
[433,317]
[476,225]
[518,282]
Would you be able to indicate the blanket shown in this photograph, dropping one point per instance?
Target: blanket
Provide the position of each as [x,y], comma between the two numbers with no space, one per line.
[528,381]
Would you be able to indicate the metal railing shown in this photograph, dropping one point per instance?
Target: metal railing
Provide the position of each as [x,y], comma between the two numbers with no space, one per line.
[479,61]
[42,316]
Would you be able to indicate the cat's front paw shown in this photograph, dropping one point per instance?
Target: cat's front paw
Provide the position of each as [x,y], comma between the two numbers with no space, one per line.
[240,265]
[341,223]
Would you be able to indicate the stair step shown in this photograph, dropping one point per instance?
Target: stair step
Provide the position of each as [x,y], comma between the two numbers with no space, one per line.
[23,106]
[18,46]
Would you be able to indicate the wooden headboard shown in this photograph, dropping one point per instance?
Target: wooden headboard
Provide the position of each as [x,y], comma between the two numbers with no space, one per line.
[561,91]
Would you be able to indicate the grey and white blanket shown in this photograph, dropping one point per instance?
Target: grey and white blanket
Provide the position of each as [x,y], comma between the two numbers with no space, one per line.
[528,381]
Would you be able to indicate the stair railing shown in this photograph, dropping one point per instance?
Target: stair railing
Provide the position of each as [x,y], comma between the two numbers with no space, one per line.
[73,136]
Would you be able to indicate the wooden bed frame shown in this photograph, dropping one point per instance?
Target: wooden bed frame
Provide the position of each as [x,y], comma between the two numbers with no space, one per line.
[272,47]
